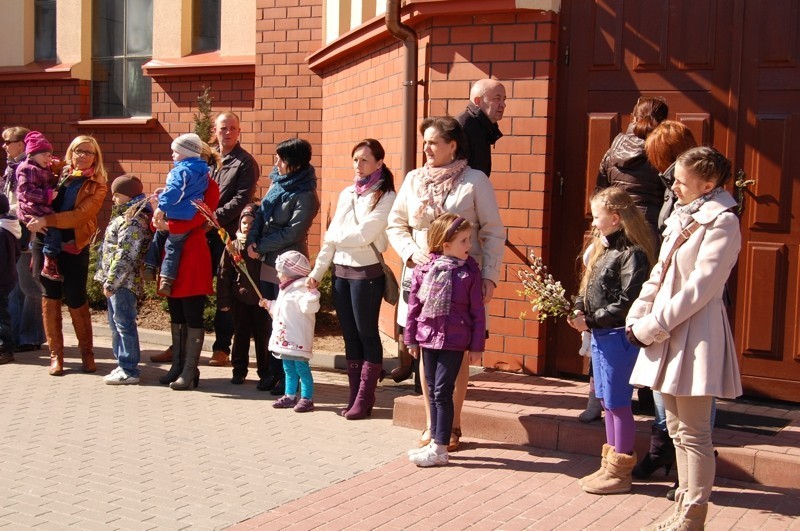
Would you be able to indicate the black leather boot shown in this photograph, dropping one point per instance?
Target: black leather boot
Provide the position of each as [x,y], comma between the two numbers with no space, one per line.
[662,453]
[178,350]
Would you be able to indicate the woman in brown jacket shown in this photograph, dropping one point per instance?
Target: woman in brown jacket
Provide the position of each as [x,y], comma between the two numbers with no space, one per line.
[83,187]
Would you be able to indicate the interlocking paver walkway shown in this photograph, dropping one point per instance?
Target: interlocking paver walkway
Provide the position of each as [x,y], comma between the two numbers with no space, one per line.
[80,453]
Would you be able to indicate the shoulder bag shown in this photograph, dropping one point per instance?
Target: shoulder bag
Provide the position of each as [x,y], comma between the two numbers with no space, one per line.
[391,290]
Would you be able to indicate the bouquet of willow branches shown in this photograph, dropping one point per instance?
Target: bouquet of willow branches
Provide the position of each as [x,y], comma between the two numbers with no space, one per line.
[545,293]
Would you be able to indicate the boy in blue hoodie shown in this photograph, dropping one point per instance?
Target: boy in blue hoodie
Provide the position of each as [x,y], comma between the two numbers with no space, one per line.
[10,233]
[187,181]
[119,270]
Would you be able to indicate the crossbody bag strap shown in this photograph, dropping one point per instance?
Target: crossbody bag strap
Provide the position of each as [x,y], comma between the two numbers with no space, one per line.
[375,249]
[683,237]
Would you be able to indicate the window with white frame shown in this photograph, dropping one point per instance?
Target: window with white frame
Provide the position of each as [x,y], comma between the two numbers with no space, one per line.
[122,41]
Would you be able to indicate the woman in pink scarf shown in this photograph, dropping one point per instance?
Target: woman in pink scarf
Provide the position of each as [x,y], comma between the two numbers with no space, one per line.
[446,184]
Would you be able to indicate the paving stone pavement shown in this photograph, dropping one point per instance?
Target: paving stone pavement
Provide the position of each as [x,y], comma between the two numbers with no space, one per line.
[81,454]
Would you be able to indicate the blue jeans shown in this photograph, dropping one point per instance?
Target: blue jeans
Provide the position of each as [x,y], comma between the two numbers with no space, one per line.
[52,242]
[172,246]
[25,305]
[6,335]
[358,306]
[441,369]
[124,334]
[295,369]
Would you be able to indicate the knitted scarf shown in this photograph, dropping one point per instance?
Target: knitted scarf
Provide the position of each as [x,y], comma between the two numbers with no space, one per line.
[370,183]
[436,185]
[285,187]
[436,290]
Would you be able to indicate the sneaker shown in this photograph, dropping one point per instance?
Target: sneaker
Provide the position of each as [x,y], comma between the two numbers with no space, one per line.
[415,451]
[304,406]
[149,274]
[285,402]
[429,458]
[112,374]
[121,378]
[50,269]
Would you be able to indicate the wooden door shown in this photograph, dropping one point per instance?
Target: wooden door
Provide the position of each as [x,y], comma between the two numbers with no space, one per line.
[612,52]
[768,151]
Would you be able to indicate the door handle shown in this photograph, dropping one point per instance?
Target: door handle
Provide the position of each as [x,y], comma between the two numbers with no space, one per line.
[741,184]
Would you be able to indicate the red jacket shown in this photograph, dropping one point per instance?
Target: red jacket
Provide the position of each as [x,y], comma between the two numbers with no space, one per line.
[194,271]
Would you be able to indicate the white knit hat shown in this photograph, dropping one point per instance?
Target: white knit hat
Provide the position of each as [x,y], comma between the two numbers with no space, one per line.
[293,264]
[188,145]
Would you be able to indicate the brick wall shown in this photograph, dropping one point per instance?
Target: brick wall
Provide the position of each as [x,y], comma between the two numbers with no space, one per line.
[519,49]
[288,93]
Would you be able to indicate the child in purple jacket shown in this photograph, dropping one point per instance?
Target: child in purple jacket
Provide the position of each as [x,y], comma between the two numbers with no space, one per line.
[446,316]
[35,194]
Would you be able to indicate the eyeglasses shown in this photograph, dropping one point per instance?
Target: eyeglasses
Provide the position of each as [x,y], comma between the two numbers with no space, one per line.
[7,142]
[82,153]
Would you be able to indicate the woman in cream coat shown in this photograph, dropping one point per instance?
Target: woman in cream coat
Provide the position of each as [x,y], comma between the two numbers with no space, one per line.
[681,322]
[447,184]
[353,239]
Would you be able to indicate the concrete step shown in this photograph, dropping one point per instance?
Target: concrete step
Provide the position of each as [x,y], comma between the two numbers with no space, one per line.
[542,413]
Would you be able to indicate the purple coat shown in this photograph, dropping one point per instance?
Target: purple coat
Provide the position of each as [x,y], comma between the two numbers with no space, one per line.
[34,191]
[464,328]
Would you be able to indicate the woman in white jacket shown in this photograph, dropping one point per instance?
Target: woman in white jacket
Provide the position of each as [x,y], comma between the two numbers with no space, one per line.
[681,322]
[352,242]
[447,184]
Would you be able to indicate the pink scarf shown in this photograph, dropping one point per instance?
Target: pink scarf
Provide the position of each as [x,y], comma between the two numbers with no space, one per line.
[369,183]
[437,183]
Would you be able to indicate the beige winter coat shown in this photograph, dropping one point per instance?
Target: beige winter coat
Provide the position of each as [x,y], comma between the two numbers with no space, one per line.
[472,198]
[691,350]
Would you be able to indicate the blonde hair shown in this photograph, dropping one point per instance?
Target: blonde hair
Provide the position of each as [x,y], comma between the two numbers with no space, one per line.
[439,231]
[637,230]
[211,156]
[100,173]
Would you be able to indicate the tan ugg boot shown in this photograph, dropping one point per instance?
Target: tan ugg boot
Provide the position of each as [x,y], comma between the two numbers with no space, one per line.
[693,518]
[602,470]
[617,477]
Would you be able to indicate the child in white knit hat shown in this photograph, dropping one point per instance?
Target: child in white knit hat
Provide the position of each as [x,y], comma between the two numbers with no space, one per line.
[186,181]
[293,319]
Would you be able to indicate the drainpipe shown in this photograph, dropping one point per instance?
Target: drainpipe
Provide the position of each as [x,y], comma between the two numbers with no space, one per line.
[409,37]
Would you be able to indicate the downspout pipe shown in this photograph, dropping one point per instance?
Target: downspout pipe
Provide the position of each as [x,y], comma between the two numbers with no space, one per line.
[406,34]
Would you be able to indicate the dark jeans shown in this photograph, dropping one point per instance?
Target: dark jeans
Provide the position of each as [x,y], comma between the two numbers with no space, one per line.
[187,310]
[25,305]
[358,306]
[73,267]
[6,335]
[223,321]
[441,370]
[172,244]
[251,321]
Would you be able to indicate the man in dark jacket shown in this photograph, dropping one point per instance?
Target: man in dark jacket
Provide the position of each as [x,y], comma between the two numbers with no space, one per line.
[479,120]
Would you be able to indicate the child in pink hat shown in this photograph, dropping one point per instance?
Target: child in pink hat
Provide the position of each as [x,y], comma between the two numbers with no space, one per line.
[35,194]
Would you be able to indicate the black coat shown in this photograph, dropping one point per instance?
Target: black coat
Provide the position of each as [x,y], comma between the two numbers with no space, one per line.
[237,179]
[481,135]
[616,281]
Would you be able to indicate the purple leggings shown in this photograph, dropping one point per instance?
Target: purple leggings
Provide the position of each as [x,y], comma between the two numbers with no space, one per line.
[620,428]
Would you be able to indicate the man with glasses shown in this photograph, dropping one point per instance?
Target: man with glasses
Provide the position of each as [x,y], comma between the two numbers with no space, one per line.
[25,300]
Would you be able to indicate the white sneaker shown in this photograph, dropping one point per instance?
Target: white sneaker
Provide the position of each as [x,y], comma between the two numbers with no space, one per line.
[429,458]
[112,374]
[415,451]
[121,378]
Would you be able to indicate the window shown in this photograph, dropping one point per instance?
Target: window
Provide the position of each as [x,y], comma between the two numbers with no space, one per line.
[205,25]
[122,41]
[44,39]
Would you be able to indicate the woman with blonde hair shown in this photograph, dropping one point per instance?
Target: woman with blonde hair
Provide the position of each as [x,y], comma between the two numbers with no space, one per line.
[82,189]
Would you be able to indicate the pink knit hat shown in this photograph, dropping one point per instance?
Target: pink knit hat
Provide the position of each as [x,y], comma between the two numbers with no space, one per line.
[36,143]
[293,264]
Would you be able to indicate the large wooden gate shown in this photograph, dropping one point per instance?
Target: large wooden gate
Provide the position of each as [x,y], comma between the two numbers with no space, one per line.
[729,70]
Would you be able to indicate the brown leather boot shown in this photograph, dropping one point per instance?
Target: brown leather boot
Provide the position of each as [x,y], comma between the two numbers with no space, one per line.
[51,316]
[403,372]
[82,323]
[162,357]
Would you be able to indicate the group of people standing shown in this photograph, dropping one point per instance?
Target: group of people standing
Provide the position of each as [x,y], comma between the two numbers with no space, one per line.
[655,319]
[662,323]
